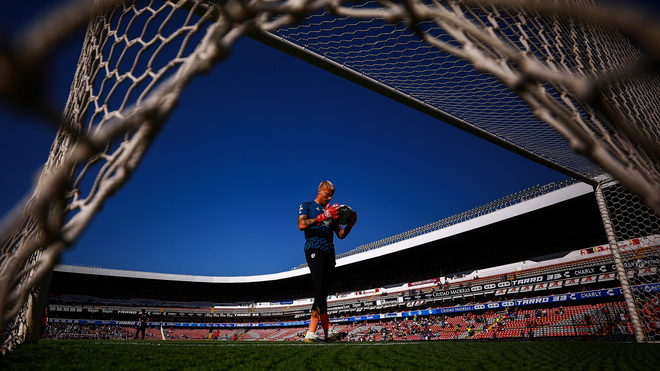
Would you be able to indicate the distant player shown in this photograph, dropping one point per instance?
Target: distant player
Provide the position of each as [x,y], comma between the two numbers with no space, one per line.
[142,324]
[318,219]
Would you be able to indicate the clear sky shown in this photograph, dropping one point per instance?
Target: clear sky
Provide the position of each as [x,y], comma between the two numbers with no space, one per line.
[218,192]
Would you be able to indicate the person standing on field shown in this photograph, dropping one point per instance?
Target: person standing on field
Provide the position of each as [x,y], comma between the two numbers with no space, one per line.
[142,324]
[317,219]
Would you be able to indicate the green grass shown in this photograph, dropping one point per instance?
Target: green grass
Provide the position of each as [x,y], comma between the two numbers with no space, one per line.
[201,355]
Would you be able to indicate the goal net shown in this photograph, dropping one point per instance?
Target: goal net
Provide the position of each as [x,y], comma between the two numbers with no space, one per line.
[626,219]
[567,83]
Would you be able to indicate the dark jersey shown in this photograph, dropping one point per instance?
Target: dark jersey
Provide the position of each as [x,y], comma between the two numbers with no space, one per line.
[142,321]
[319,236]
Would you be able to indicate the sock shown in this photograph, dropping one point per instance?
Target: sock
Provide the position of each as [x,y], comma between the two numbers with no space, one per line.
[313,322]
[325,323]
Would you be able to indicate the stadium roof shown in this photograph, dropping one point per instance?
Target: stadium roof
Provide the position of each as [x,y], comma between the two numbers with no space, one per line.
[563,220]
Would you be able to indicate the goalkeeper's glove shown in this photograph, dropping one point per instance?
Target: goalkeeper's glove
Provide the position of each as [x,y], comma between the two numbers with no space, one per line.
[330,212]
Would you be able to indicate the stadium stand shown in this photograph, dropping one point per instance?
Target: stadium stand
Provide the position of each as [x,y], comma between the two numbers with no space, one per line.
[413,312]
[563,285]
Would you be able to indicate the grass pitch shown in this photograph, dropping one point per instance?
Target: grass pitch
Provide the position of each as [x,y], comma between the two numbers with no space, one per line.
[207,355]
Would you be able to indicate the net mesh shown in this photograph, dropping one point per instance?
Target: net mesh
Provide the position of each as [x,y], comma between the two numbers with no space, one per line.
[396,57]
[135,60]
[626,218]
[545,79]
[482,67]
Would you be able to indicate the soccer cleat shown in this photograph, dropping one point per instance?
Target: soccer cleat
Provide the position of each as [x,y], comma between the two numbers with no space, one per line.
[311,337]
[332,335]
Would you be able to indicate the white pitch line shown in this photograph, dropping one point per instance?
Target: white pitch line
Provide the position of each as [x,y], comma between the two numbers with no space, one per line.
[249,343]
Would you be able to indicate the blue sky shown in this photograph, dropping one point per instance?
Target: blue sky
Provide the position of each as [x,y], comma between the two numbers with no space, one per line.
[218,192]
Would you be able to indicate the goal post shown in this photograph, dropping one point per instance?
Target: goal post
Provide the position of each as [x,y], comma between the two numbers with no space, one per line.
[547,79]
[626,218]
